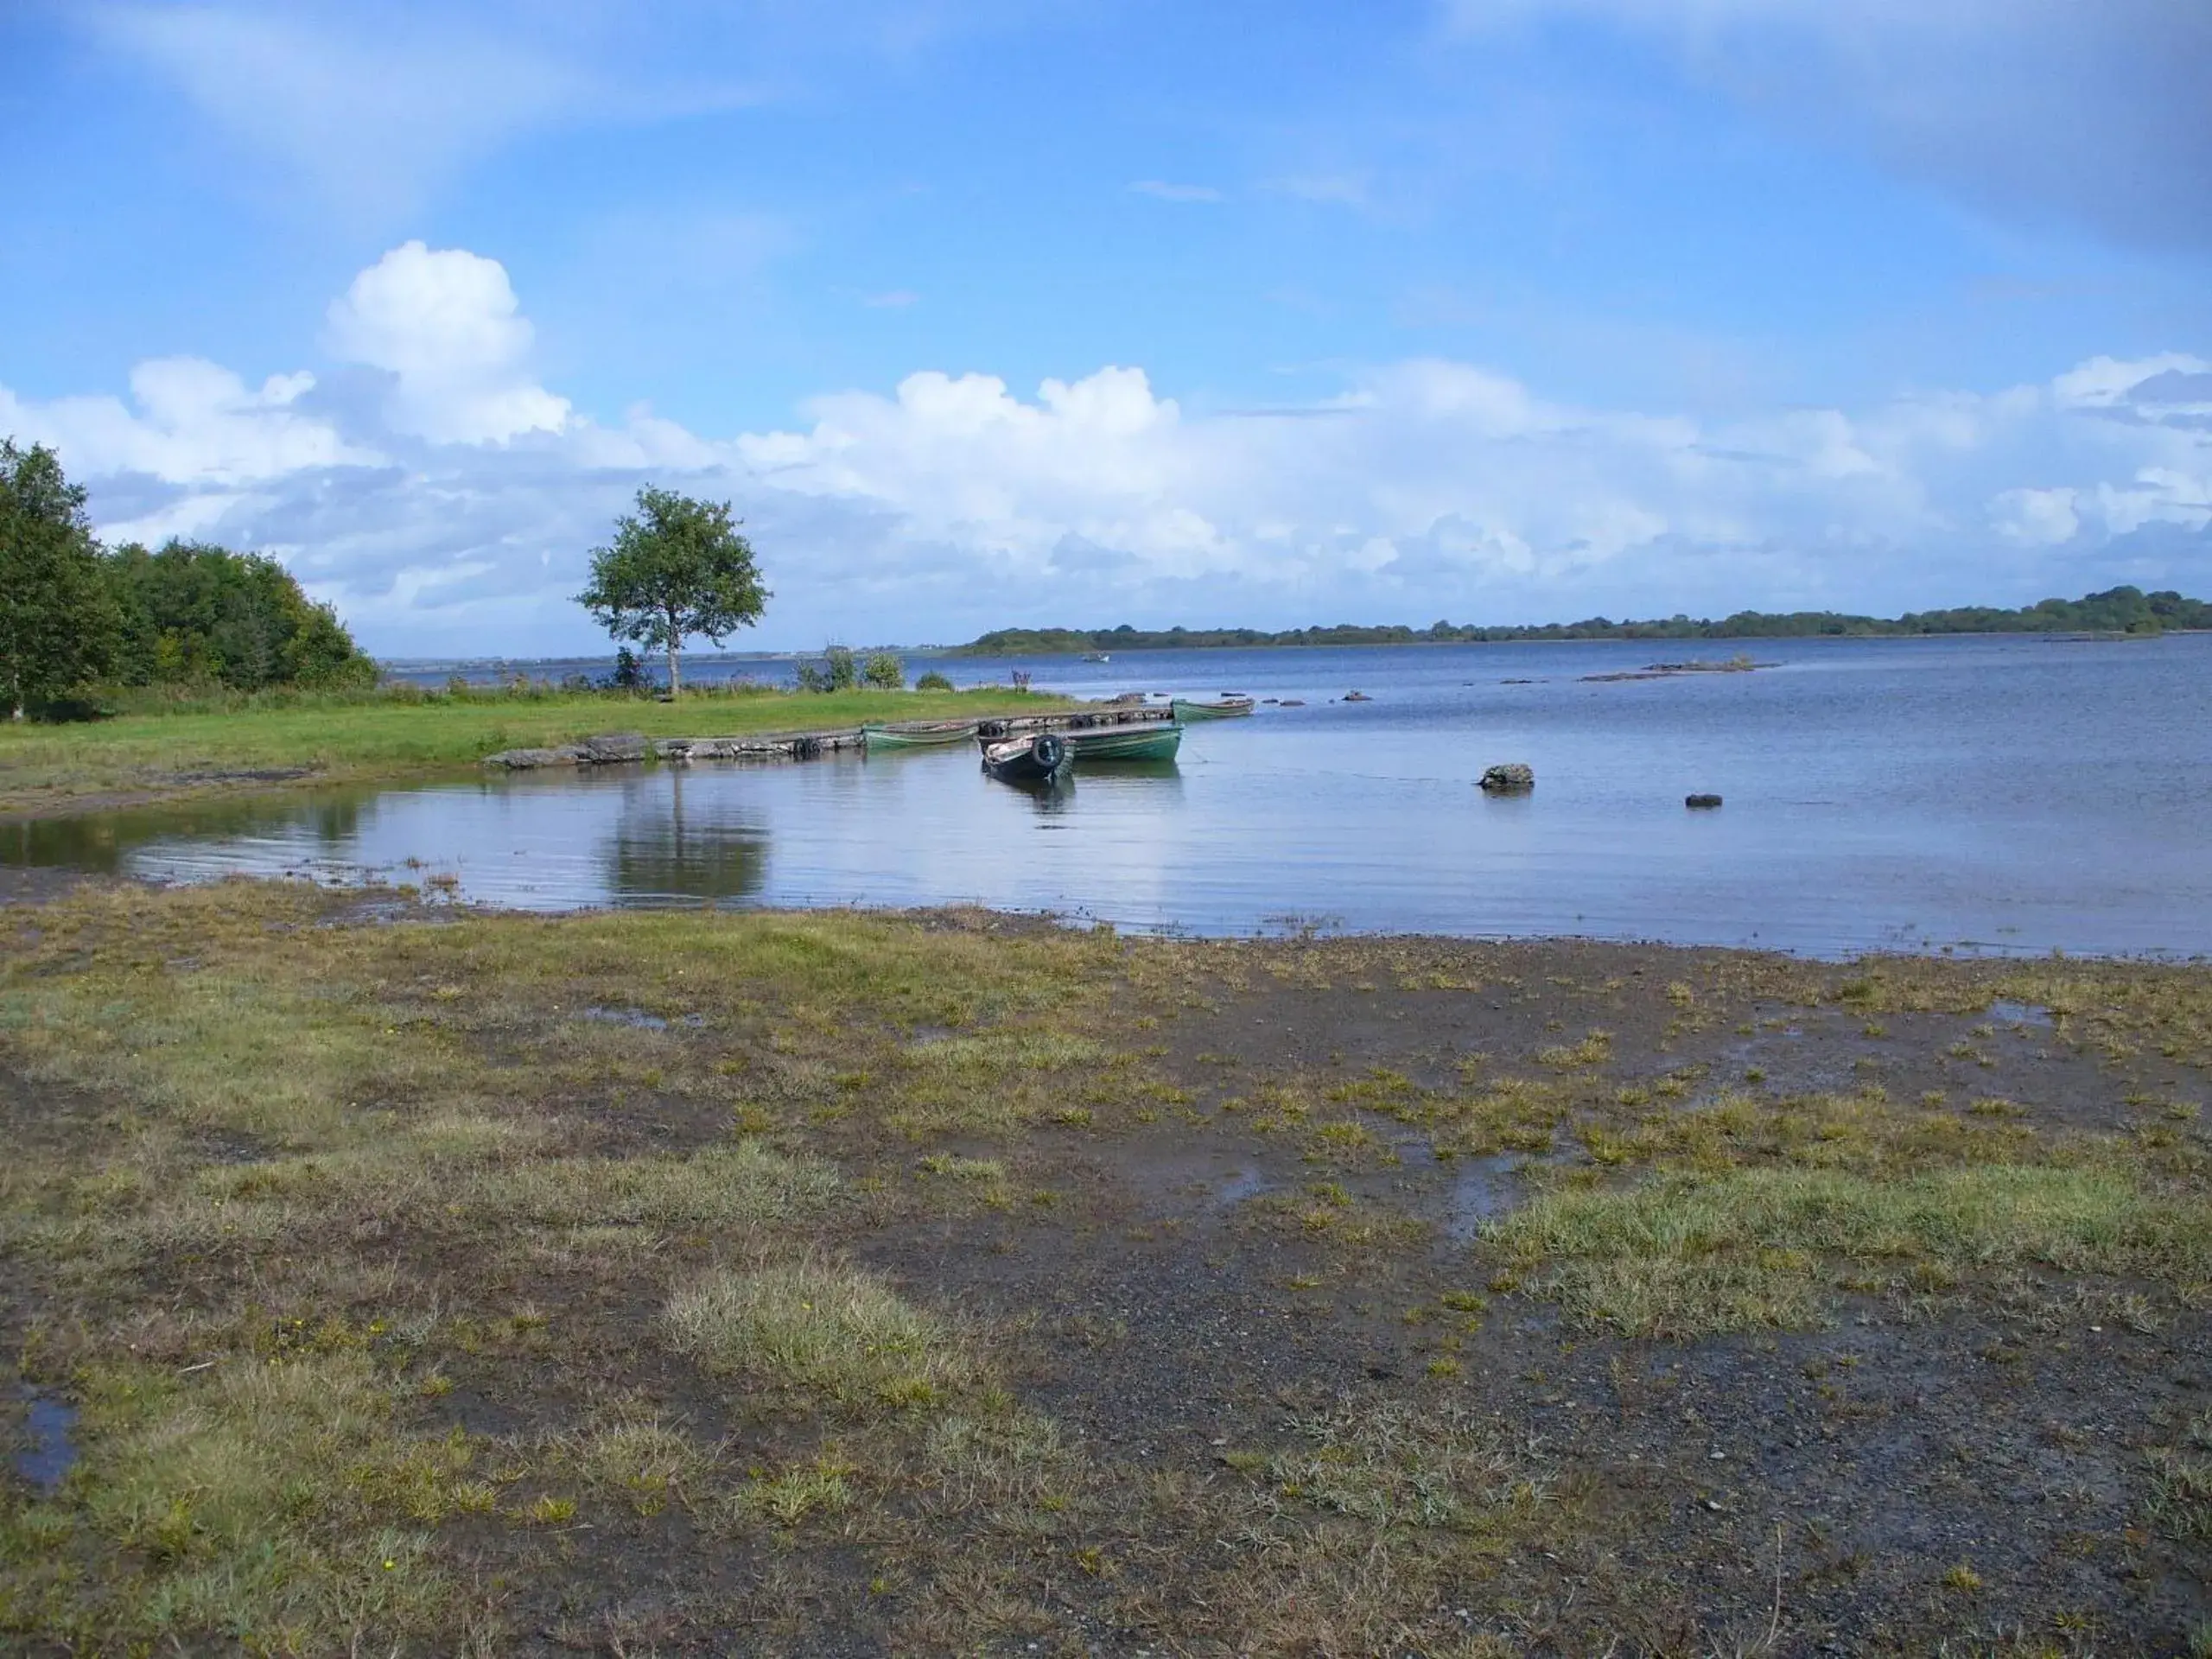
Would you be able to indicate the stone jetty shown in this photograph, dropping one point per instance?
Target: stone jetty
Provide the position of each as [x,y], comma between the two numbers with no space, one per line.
[633,748]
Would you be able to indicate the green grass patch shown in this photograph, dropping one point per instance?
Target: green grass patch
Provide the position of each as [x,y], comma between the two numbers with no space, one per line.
[821,1333]
[635,1460]
[262,1507]
[1684,1255]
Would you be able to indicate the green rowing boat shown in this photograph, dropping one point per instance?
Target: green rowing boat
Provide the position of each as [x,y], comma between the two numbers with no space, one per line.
[1227,709]
[1155,740]
[917,735]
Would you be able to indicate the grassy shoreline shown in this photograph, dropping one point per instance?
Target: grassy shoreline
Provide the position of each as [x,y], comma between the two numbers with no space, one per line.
[141,758]
[953,1283]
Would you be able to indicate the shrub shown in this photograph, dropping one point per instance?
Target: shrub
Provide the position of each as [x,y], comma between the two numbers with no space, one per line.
[885,671]
[838,670]
[629,673]
[933,681]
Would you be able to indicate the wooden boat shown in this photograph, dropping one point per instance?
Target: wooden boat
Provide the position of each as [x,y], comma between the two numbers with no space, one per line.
[1226,708]
[917,733]
[1035,760]
[1153,741]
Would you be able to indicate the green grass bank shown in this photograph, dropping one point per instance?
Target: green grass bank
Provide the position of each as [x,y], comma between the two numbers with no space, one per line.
[249,742]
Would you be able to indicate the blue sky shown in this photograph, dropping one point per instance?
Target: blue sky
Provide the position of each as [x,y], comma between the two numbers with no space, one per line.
[1072,311]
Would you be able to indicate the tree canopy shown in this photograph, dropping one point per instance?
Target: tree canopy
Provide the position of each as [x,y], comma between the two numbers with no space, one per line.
[57,615]
[676,567]
[72,615]
[196,613]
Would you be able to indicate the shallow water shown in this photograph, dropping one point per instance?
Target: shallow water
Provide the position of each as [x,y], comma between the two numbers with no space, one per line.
[1999,794]
[48,1453]
[1482,1190]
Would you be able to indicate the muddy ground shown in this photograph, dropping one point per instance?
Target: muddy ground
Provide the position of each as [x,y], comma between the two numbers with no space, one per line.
[1266,1243]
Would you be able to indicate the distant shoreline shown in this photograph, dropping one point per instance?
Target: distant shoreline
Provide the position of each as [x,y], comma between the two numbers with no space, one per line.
[2123,612]
[2055,637]
[404,666]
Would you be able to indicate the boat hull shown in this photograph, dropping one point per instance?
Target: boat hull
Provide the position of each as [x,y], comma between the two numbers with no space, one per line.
[1038,760]
[1148,742]
[937,735]
[1227,709]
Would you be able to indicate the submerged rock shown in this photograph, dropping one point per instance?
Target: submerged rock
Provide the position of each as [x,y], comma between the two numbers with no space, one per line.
[1701,801]
[1513,778]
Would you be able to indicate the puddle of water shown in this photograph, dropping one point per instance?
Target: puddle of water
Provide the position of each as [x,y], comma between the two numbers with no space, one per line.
[1243,1184]
[2019,1013]
[50,1453]
[640,1020]
[1483,1189]
[1181,1181]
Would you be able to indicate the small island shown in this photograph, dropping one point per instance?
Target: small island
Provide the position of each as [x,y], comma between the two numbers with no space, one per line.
[1739,664]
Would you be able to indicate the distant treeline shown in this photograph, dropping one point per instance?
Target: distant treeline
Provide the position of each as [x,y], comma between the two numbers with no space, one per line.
[2117,610]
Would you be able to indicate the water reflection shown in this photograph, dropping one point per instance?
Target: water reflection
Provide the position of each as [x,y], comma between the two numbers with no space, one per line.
[661,851]
[1139,784]
[1049,796]
[1127,784]
[49,1451]
[105,842]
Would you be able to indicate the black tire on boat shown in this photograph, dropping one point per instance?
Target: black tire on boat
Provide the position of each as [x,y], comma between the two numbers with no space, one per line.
[1048,750]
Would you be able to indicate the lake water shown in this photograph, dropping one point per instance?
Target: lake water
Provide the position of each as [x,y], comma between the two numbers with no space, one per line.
[1992,794]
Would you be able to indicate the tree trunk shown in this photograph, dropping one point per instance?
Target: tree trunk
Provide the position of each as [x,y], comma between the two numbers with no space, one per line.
[675,644]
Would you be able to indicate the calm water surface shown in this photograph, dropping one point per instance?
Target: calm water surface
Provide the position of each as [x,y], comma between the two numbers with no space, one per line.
[2016,795]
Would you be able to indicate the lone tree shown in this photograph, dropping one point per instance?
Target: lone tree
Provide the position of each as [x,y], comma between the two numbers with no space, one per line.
[57,616]
[676,567]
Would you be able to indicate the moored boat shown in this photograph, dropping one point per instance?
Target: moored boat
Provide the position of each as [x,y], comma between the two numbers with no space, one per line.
[1153,741]
[917,733]
[1035,760]
[1188,709]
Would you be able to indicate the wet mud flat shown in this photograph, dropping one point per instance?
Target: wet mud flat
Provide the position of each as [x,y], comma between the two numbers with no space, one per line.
[955,1283]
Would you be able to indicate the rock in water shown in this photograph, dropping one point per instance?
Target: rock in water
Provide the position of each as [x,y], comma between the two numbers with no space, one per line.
[1512,778]
[1701,801]
[1358,696]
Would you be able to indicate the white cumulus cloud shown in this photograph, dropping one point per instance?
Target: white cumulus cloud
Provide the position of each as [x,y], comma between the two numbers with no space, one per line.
[447,326]
[2035,517]
[445,501]
[194,423]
